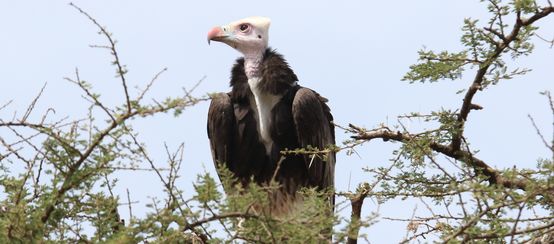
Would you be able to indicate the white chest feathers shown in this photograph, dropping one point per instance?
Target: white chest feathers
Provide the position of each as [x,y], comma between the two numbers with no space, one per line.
[263,104]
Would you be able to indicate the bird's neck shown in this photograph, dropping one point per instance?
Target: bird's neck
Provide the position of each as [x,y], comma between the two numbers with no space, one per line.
[252,63]
[262,102]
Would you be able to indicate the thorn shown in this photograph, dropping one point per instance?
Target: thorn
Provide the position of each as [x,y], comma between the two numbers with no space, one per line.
[311,161]
[475,106]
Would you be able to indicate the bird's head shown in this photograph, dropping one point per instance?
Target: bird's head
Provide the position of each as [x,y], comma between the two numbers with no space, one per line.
[248,36]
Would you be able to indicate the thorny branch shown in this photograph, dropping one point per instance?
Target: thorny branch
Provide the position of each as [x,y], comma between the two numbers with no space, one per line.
[72,175]
[476,85]
[494,176]
[501,41]
[454,150]
[220,217]
[89,94]
[357,201]
[121,71]
[168,185]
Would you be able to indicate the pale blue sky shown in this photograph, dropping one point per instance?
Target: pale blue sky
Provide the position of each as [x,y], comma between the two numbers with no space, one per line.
[353,53]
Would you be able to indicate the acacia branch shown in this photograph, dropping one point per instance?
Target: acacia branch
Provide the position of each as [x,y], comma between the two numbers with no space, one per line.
[479,77]
[119,67]
[69,182]
[539,133]
[519,232]
[475,219]
[94,98]
[149,85]
[32,105]
[42,129]
[357,201]
[167,184]
[223,216]
[479,165]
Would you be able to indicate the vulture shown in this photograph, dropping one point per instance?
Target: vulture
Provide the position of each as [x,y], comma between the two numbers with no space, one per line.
[266,113]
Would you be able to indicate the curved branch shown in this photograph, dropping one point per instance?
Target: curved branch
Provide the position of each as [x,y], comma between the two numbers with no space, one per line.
[476,85]
[479,165]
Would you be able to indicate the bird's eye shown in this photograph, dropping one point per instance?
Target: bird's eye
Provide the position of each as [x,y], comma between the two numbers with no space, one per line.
[243,27]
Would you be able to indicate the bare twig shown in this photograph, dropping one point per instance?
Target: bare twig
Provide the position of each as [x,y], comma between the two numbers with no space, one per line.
[129,205]
[32,105]
[514,228]
[6,104]
[120,69]
[149,85]
[551,42]
[89,94]
[539,133]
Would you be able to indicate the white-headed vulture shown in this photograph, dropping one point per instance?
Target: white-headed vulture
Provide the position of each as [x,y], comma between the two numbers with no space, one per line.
[267,112]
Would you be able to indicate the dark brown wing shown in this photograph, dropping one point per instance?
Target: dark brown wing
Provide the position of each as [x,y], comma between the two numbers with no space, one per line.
[234,140]
[221,129]
[312,119]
